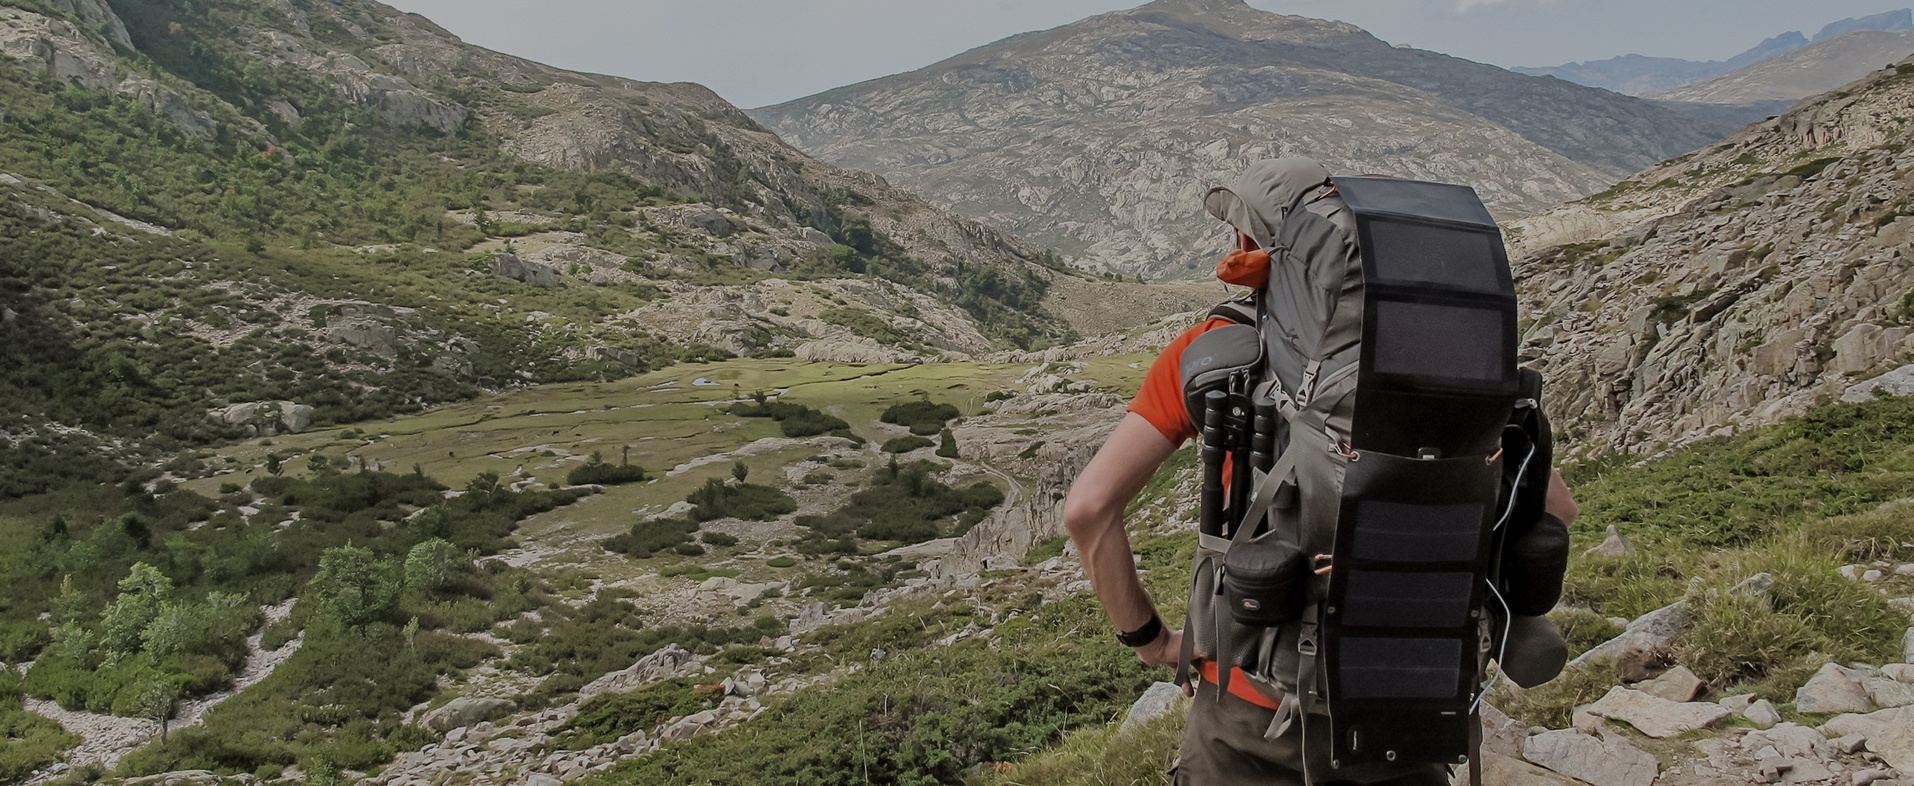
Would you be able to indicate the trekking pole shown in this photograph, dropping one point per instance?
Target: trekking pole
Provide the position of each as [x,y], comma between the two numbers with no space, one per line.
[1242,480]
[1210,516]
[1262,446]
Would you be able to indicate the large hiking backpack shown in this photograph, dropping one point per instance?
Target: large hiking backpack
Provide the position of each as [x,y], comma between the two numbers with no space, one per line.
[1383,527]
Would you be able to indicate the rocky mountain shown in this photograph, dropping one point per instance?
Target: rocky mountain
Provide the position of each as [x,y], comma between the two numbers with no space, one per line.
[1804,72]
[1641,75]
[1114,126]
[1901,21]
[1732,286]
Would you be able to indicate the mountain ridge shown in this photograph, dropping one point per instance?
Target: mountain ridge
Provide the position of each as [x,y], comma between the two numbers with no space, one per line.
[1642,75]
[1124,118]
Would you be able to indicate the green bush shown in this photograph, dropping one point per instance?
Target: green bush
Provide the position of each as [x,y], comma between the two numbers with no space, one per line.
[781,562]
[650,537]
[28,742]
[606,718]
[794,420]
[922,417]
[718,539]
[717,500]
[921,715]
[596,472]
[947,445]
[908,507]
[906,444]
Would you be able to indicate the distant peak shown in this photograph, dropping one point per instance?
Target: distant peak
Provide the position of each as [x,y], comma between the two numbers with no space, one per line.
[1197,5]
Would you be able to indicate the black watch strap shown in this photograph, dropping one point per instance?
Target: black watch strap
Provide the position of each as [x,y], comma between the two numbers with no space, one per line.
[1144,636]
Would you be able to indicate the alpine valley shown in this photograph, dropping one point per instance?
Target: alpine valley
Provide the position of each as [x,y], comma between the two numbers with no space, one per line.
[378,408]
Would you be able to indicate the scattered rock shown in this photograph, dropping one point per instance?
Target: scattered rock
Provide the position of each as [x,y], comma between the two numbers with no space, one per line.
[1739,701]
[463,713]
[1677,684]
[1889,733]
[1762,714]
[1898,671]
[1790,740]
[1655,716]
[1161,699]
[541,779]
[1650,635]
[1850,744]
[1887,691]
[1599,762]
[1614,546]
[1502,770]
[1502,734]
[1833,689]
[1805,771]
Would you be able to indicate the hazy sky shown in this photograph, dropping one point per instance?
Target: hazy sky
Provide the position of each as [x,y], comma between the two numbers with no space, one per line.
[759,52]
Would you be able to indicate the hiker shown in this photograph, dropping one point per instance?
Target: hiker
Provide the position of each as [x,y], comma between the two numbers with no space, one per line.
[1246,737]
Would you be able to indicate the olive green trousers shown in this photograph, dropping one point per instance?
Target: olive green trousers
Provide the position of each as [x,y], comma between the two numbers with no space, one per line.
[1224,745]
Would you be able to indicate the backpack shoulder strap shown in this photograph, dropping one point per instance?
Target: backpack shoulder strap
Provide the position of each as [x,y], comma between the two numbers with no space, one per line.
[1241,312]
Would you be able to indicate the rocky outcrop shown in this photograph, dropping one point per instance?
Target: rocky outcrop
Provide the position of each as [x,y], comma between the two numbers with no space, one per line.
[1762,275]
[266,418]
[84,57]
[1115,126]
[512,267]
[463,712]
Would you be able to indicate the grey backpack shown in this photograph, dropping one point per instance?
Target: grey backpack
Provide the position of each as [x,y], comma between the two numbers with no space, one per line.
[1381,534]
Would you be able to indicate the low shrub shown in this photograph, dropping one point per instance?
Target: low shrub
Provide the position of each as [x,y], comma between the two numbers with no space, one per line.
[907,444]
[794,420]
[596,472]
[650,537]
[750,502]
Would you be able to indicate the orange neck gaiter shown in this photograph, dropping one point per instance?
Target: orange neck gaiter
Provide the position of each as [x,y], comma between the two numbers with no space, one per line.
[1245,268]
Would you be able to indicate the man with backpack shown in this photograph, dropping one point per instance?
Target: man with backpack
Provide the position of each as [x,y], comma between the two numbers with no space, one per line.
[1433,463]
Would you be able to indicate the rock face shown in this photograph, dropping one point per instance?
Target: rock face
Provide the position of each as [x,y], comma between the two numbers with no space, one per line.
[1732,287]
[1116,125]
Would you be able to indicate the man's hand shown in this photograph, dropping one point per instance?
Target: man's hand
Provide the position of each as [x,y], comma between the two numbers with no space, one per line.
[1165,651]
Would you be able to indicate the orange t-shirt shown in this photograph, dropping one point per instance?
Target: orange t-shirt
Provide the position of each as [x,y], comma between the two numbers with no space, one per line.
[1160,401]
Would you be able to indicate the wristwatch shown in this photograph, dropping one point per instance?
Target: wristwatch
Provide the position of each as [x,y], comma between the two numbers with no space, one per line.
[1144,636]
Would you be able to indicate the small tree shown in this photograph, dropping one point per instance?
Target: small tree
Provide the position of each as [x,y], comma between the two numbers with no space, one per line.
[157,700]
[273,467]
[740,471]
[319,464]
[433,565]
[949,447]
[484,486]
[353,586]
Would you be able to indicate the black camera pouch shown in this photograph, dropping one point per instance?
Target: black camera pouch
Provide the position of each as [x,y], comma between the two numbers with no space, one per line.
[1263,580]
[1533,563]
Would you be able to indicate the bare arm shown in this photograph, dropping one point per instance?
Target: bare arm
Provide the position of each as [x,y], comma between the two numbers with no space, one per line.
[1093,513]
[1561,503]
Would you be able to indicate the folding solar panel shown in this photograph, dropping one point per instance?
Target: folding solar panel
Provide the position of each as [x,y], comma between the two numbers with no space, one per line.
[1401,630]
